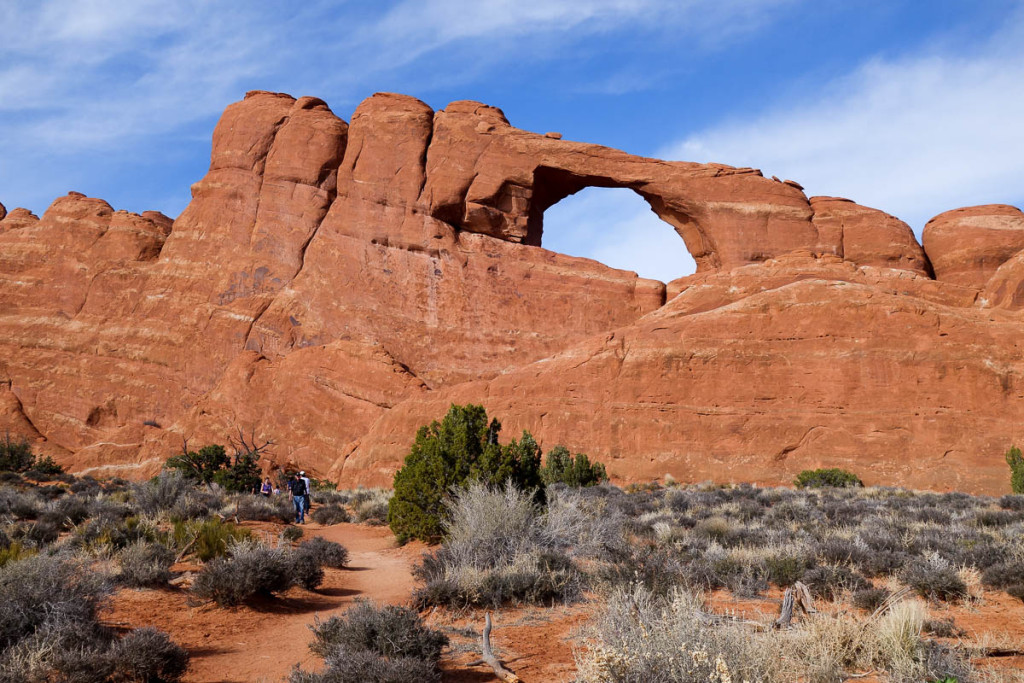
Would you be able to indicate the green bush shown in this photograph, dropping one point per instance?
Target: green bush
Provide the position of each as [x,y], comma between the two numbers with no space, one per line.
[832,476]
[15,455]
[210,538]
[47,465]
[1015,460]
[447,454]
[561,467]
[202,465]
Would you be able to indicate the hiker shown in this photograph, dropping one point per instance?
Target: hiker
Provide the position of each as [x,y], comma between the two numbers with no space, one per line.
[309,488]
[298,489]
[267,488]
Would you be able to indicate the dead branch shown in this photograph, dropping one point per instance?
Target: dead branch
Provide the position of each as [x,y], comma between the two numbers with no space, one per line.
[184,551]
[249,445]
[489,658]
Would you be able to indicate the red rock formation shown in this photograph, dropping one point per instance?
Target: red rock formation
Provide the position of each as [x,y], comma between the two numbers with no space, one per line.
[332,286]
[966,246]
[866,236]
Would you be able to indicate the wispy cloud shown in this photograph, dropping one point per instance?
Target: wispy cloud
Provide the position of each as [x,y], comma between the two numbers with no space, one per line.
[110,78]
[912,136]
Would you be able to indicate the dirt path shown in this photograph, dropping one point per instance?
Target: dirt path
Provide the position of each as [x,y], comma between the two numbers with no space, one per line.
[264,640]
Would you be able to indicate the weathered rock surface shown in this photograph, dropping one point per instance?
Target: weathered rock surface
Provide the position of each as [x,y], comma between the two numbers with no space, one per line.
[334,285]
[966,246]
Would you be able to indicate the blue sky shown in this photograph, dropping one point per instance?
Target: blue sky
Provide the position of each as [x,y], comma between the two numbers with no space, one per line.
[911,107]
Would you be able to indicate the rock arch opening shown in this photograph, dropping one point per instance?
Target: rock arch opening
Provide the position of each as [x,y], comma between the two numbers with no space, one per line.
[614,225]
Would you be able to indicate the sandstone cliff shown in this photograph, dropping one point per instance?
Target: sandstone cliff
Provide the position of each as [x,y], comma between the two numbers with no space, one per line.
[333,285]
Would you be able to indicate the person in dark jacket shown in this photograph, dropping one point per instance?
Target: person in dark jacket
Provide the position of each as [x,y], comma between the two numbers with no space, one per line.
[298,489]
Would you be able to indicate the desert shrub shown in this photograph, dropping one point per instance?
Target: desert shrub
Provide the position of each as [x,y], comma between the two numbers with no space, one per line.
[304,569]
[50,492]
[642,637]
[105,535]
[1004,574]
[292,533]
[329,514]
[784,568]
[145,564]
[657,569]
[1012,502]
[943,628]
[373,512]
[335,497]
[208,538]
[583,525]
[161,493]
[497,549]
[50,600]
[87,485]
[829,581]
[375,644]
[11,478]
[73,510]
[882,562]
[997,518]
[147,655]
[446,455]
[194,505]
[1016,462]
[17,505]
[576,471]
[833,477]
[261,508]
[248,570]
[1016,591]
[837,550]
[42,532]
[934,579]
[327,553]
[869,599]
[15,454]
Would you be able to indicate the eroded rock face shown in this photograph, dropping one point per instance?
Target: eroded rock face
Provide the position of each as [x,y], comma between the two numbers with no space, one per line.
[966,246]
[334,285]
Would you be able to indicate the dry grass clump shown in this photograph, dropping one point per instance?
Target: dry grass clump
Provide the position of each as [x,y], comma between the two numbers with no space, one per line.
[145,565]
[643,637]
[500,547]
[330,513]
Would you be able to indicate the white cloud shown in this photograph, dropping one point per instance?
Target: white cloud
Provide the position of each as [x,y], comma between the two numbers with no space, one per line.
[912,136]
[617,228]
[86,82]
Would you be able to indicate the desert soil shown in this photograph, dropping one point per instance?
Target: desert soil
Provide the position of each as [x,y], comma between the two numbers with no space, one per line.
[262,641]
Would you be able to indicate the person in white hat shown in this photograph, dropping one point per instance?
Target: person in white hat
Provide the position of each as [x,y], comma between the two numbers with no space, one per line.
[305,503]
